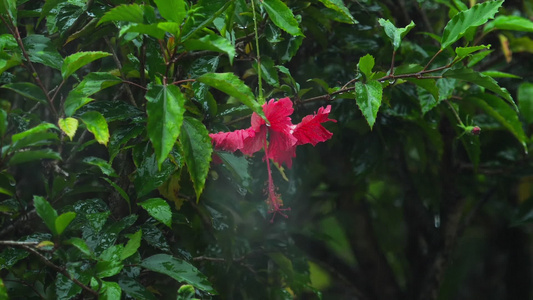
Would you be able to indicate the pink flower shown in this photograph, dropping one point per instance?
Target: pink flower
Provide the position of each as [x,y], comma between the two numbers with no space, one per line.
[283,137]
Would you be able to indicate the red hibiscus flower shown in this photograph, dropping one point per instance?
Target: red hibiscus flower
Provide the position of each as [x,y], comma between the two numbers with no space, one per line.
[283,137]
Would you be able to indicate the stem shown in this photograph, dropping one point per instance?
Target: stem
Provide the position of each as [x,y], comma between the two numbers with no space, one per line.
[260,81]
[182,81]
[432,59]
[455,113]
[59,269]
[392,63]
[16,34]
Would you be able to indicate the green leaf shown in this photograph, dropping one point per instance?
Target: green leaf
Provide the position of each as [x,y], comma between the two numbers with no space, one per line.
[109,262]
[208,11]
[34,140]
[472,147]
[230,84]
[179,270]
[46,212]
[165,109]
[66,288]
[3,122]
[63,221]
[238,166]
[68,126]
[133,244]
[339,7]
[170,27]
[79,59]
[463,52]
[110,291]
[127,13]
[172,10]
[268,70]
[498,74]
[212,42]
[368,98]
[525,101]
[186,292]
[122,193]
[75,100]
[152,30]
[28,90]
[149,177]
[365,65]
[47,7]
[395,34]
[37,129]
[120,138]
[475,16]
[197,150]
[135,289]
[41,50]
[9,7]
[103,165]
[430,99]
[159,210]
[509,23]
[95,82]
[485,81]
[32,155]
[282,16]
[7,61]
[80,245]
[3,290]
[502,112]
[97,125]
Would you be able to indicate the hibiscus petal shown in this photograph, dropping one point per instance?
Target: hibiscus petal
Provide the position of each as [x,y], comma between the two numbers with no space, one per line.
[277,113]
[256,142]
[310,129]
[282,148]
[232,141]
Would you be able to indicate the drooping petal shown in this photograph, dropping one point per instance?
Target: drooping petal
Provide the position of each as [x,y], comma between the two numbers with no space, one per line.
[256,142]
[282,147]
[232,141]
[310,130]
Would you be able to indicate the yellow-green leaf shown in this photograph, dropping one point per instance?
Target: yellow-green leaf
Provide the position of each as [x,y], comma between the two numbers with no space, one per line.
[68,126]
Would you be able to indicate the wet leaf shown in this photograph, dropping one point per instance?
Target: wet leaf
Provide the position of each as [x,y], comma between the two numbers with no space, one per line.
[78,60]
[46,212]
[165,109]
[159,209]
[68,126]
[477,15]
[178,269]
[282,16]
[197,150]
[368,97]
[97,125]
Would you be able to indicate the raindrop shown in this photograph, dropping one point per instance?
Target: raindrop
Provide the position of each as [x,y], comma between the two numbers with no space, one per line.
[437,220]
[242,191]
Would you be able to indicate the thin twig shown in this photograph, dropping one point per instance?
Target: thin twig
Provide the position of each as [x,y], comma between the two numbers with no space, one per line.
[119,66]
[16,34]
[182,81]
[57,268]
[135,84]
[432,59]
[392,63]
[18,243]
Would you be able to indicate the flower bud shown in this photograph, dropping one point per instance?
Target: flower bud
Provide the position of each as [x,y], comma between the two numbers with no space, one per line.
[475,130]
